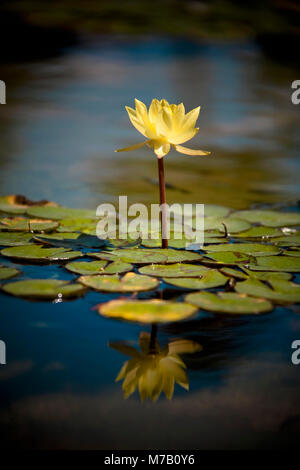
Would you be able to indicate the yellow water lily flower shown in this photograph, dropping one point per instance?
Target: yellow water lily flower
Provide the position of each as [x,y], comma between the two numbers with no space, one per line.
[153,372]
[165,125]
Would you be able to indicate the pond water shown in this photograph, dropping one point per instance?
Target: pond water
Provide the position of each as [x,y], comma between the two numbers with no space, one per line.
[64,118]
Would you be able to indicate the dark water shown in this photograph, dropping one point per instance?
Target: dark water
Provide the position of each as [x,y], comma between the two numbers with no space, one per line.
[63,120]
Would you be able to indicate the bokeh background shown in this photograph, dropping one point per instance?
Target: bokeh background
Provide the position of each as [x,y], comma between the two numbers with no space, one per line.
[71,67]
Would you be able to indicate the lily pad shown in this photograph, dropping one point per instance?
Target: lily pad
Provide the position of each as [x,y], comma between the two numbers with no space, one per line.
[132,255]
[19,224]
[260,232]
[280,291]
[147,311]
[79,224]
[270,218]
[44,289]
[59,212]
[6,272]
[253,249]
[37,253]
[292,253]
[276,263]
[174,270]
[71,240]
[288,240]
[98,267]
[15,239]
[210,210]
[213,278]
[229,302]
[233,224]
[130,282]
[261,275]
[227,257]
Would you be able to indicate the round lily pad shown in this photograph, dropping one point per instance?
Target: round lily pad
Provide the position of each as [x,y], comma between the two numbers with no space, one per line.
[37,253]
[227,257]
[132,255]
[210,210]
[174,270]
[19,224]
[260,232]
[6,272]
[281,291]
[79,224]
[276,263]
[261,275]
[253,249]
[212,278]
[44,289]
[130,282]
[229,302]
[233,224]
[98,267]
[270,218]
[59,212]
[292,253]
[288,240]
[147,311]
[15,239]
[70,240]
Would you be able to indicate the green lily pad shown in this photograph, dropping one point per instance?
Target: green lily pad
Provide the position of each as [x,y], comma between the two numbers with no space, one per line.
[229,302]
[292,253]
[44,289]
[280,291]
[253,249]
[234,273]
[130,282]
[260,232]
[59,212]
[270,218]
[276,263]
[261,275]
[132,255]
[18,224]
[174,270]
[227,257]
[15,239]
[6,272]
[212,278]
[10,209]
[37,253]
[70,240]
[79,224]
[210,210]
[147,311]
[287,240]
[98,267]
[233,224]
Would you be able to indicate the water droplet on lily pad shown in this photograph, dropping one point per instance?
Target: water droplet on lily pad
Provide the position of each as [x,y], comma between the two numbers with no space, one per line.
[130,282]
[229,303]
[147,311]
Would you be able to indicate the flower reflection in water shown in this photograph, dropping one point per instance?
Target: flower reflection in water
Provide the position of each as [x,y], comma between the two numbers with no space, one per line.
[152,369]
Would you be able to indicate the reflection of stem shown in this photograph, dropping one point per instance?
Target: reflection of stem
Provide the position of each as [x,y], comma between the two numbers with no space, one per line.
[152,348]
[163,202]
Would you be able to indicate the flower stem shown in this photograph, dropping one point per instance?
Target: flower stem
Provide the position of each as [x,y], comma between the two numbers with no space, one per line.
[163,202]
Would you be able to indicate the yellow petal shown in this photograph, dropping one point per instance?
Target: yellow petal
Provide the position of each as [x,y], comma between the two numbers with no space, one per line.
[188,151]
[154,109]
[135,121]
[180,137]
[143,118]
[132,147]
[161,149]
[191,118]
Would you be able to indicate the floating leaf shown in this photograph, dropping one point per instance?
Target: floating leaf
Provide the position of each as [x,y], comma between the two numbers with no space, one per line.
[212,278]
[227,257]
[253,249]
[38,253]
[71,240]
[260,232]
[59,212]
[147,311]
[79,224]
[233,225]
[281,291]
[269,218]
[233,273]
[229,302]
[6,272]
[276,263]
[132,255]
[210,210]
[292,253]
[288,240]
[98,267]
[20,224]
[261,275]
[174,270]
[130,282]
[15,239]
[43,289]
